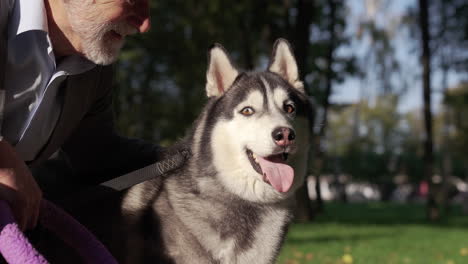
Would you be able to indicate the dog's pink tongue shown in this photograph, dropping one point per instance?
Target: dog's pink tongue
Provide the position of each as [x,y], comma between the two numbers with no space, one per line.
[280,175]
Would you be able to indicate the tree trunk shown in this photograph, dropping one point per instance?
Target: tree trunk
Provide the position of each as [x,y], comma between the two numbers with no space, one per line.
[301,45]
[433,212]
[446,165]
[302,34]
[320,157]
[446,169]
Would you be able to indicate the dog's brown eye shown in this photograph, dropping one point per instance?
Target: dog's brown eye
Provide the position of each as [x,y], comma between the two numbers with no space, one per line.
[247,111]
[289,108]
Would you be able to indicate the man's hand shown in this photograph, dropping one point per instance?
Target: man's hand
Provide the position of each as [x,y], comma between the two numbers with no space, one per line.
[18,187]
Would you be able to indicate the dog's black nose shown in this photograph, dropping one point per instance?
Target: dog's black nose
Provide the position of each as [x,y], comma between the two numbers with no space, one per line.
[283,136]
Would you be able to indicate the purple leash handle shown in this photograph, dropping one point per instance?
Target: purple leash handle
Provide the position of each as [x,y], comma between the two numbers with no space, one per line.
[14,246]
[16,249]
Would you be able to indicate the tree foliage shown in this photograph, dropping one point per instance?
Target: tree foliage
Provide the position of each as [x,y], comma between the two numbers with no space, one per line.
[161,75]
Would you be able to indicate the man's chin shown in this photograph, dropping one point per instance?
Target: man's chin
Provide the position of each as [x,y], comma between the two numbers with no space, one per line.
[103,56]
[103,60]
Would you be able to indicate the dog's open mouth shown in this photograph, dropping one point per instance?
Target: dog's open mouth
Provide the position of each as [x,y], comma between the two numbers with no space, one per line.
[273,169]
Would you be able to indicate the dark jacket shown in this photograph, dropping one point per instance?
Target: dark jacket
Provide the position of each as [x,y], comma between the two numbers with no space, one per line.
[84,146]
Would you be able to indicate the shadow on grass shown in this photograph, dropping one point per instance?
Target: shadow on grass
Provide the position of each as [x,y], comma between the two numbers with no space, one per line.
[378,213]
[336,238]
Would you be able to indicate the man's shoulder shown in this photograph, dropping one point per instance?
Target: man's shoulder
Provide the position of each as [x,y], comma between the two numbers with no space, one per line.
[98,81]
[99,71]
[105,72]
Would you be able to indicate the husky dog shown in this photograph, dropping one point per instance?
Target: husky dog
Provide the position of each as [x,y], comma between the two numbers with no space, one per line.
[231,202]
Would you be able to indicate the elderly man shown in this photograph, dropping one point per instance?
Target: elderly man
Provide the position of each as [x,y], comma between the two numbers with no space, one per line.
[55,95]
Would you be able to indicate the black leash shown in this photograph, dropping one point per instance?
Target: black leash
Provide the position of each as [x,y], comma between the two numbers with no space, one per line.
[114,187]
[147,173]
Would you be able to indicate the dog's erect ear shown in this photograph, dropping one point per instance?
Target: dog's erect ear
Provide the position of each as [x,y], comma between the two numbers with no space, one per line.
[221,74]
[283,63]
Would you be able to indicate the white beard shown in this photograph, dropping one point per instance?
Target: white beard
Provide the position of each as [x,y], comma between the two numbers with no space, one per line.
[97,43]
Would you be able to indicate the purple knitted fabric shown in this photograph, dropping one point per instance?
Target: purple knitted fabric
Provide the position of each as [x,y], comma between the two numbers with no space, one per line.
[14,246]
[74,234]
[16,249]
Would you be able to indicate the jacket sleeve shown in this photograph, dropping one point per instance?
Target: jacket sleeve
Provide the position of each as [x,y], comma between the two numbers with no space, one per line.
[5,9]
[95,151]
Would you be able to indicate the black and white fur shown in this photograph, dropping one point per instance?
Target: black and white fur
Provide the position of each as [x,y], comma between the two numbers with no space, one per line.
[219,208]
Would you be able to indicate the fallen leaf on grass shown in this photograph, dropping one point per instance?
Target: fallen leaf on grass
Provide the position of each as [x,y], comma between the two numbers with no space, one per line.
[347,259]
[298,254]
[464,251]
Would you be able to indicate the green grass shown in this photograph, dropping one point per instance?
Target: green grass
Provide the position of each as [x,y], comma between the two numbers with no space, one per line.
[378,233]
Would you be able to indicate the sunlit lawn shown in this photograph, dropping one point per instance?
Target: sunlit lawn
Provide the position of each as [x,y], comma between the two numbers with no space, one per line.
[377,233]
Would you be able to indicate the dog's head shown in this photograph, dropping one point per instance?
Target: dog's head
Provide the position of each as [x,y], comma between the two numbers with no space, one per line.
[259,131]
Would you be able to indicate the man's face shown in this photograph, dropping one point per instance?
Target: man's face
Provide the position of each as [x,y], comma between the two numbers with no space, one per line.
[101,25]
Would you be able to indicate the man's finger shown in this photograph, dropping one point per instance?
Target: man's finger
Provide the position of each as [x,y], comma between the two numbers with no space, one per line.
[16,203]
[21,209]
[9,195]
[19,212]
[35,215]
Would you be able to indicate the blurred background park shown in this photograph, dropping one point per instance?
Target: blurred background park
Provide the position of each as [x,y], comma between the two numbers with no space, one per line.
[388,170]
